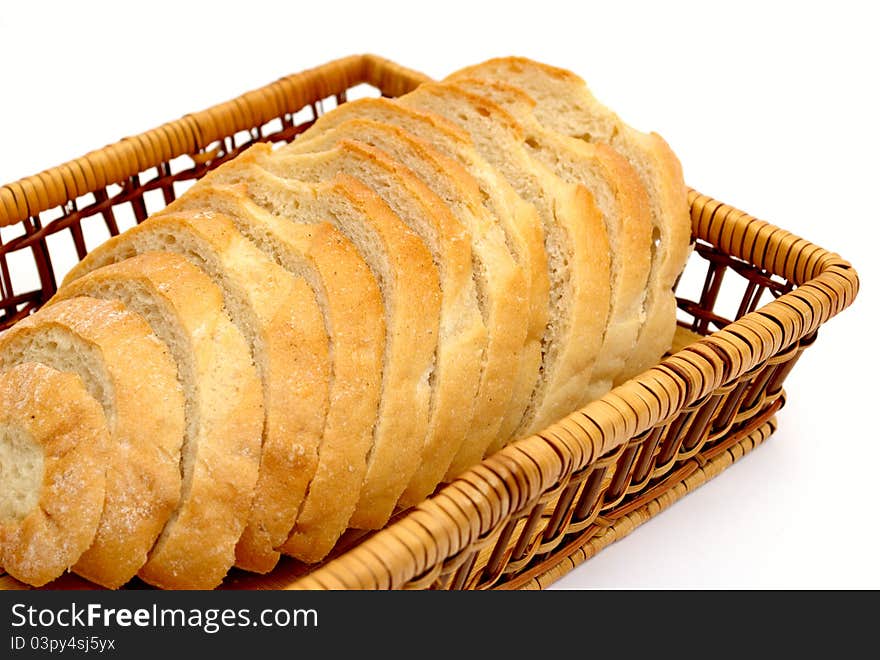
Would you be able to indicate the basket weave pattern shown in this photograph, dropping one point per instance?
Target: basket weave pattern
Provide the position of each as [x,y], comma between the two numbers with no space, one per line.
[527,514]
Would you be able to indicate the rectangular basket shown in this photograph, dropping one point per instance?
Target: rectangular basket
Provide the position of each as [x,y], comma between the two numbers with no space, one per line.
[542,505]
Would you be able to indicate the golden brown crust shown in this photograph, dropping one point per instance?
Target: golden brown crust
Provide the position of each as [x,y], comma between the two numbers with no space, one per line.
[224,415]
[671,202]
[384,109]
[53,410]
[146,413]
[576,211]
[512,68]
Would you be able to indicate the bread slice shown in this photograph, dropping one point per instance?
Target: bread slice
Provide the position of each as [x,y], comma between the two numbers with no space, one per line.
[463,334]
[623,202]
[565,104]
[351,304]
[501,288]
[224,411]
[410,289]
[130,373]
[276,312]
[575,241]
[54,447]
[518,220]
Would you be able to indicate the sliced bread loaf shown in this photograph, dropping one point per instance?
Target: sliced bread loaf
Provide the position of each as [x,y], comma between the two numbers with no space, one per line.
[224,411]
[276,312]
[574,238]
[517,218]
[124,367]
[623,202]
[351,304]
[565,104]
[500,282]
[54,448]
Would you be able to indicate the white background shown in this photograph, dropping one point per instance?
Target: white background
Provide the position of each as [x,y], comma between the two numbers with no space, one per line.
[771,108]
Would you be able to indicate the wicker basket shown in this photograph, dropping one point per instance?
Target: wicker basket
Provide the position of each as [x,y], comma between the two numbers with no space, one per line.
[529,513]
